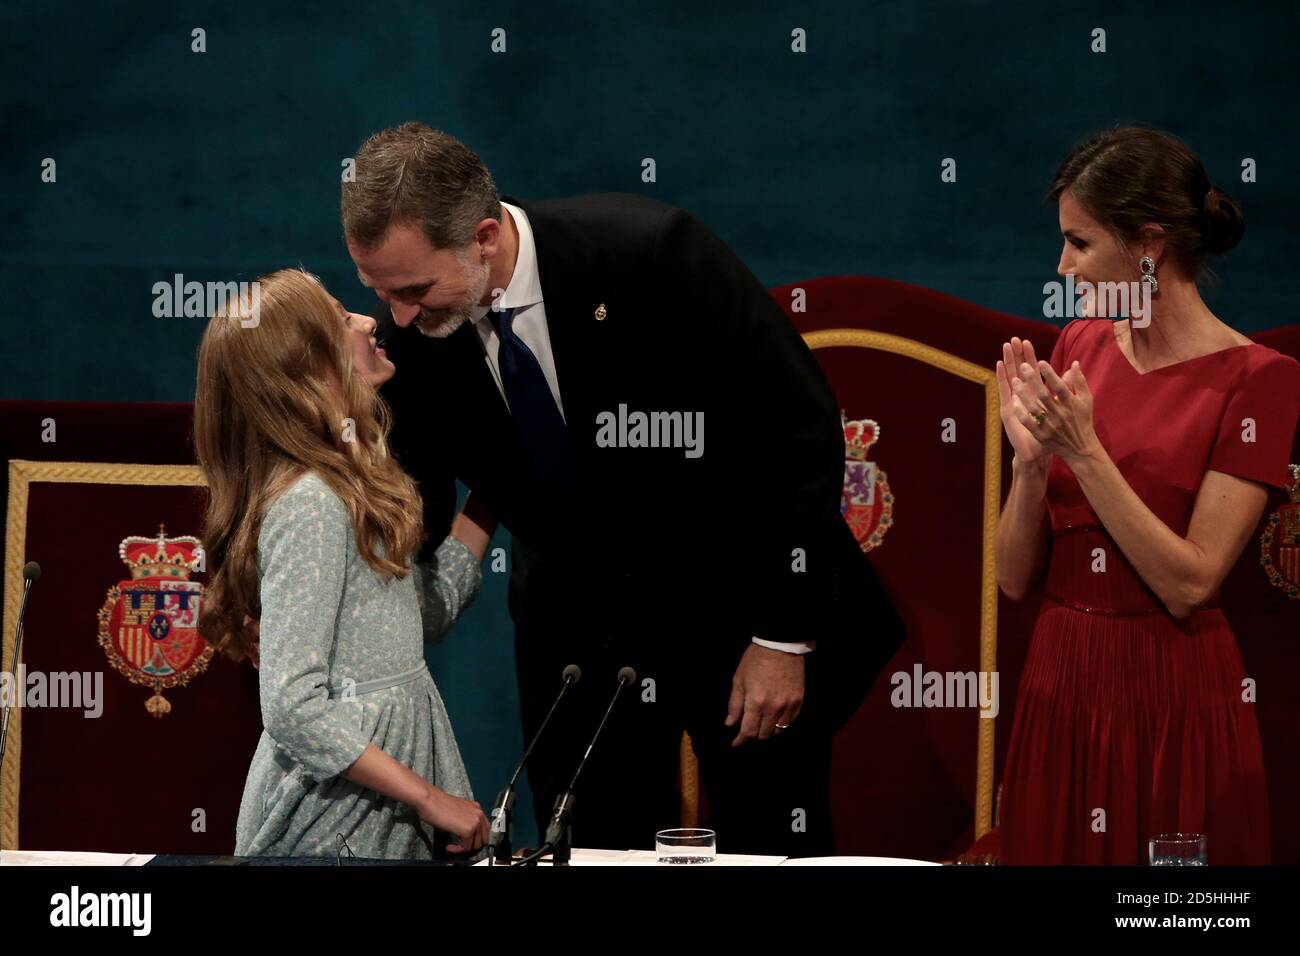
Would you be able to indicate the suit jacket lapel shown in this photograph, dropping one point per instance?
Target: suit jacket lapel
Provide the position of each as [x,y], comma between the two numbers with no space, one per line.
[567,261]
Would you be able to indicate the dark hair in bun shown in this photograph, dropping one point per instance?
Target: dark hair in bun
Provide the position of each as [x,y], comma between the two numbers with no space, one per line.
[1130,176]
[1224,222]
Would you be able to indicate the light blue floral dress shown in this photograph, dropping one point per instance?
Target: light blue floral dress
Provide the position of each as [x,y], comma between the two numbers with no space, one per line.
[342,666]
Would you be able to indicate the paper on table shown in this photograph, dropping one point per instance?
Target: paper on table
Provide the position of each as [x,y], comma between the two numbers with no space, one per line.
[71,858]
[857,861]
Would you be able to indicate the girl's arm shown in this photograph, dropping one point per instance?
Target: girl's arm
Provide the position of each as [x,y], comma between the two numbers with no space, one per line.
[464,819]
[449,582]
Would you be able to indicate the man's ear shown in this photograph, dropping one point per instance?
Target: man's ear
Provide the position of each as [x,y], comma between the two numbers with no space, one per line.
[488,235]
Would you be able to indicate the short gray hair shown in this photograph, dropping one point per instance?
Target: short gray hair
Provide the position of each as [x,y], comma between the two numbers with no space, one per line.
[422,176]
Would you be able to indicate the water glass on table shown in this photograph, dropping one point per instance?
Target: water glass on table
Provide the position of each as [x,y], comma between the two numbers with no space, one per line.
[686,846]
[1179,849]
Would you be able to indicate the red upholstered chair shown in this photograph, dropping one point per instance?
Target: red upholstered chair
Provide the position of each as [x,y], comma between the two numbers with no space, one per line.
[1267,623]
[161,769]
[919,781]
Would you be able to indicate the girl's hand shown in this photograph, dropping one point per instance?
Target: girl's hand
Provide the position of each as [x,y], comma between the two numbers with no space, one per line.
[1014,355]
[1056,412]
[463,819]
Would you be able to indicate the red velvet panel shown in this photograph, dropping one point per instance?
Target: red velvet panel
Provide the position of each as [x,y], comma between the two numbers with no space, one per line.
[904,778]
[1267,625]
[126,781]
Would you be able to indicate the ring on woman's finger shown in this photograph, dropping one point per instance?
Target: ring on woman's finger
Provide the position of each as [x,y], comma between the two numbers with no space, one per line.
[1040,416]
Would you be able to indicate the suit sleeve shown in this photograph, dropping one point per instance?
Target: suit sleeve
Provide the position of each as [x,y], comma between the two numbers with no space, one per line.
[784,440]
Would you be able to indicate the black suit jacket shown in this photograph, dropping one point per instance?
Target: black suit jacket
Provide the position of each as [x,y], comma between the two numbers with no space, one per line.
[749,535]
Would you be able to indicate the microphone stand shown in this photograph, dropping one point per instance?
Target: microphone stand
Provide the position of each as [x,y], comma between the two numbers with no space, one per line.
[559,832]
[499,837]
[31,573]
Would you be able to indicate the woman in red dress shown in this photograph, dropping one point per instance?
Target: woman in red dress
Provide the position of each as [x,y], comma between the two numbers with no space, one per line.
[1134,491]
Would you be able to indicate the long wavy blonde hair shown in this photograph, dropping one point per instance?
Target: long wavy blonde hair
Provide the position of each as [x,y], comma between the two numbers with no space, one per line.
[276,397]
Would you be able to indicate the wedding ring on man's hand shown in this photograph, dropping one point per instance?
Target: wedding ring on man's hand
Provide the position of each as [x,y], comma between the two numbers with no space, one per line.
[781,727]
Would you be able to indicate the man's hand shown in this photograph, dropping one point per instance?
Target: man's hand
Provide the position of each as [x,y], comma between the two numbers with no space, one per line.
[767,690]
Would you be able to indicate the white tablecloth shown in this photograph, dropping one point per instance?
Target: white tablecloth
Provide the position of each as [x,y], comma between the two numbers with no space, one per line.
[71,858]
[582,857]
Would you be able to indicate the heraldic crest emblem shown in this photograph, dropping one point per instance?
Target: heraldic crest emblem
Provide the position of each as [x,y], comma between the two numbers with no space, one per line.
[148,625]
[866,502]
[1280,542]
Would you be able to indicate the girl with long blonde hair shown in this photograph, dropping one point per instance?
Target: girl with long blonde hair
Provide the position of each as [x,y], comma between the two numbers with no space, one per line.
[311,530]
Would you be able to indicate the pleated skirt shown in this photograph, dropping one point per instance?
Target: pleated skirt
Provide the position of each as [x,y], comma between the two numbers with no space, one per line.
[1127,727]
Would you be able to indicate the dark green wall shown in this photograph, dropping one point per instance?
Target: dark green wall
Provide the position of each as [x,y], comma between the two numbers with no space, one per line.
[225,164]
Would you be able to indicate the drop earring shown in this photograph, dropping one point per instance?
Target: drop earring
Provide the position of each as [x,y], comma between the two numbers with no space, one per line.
[1148,267]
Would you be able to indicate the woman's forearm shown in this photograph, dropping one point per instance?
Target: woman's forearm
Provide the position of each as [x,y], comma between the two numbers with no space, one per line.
[1175,568]
[1022,534]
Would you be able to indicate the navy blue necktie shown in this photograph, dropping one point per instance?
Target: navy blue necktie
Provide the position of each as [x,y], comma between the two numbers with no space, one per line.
[541,426]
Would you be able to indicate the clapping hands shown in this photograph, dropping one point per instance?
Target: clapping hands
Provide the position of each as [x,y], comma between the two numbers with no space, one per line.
[1043,413]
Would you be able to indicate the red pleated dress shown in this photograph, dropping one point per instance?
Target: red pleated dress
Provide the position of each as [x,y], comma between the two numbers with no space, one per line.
[1130,723]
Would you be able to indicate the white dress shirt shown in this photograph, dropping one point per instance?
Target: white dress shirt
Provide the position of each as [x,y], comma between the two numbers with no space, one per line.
[524,295]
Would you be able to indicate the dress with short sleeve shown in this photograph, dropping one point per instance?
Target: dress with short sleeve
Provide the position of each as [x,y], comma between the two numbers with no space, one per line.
[1121,707]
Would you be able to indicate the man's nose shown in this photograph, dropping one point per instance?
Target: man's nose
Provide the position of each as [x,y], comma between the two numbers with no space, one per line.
[403,315]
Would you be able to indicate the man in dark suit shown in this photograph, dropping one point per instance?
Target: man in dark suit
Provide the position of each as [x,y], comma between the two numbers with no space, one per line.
[563,359]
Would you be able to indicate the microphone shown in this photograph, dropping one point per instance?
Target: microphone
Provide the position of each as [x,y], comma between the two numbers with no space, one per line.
[559,830]
[31,574]
[499,835]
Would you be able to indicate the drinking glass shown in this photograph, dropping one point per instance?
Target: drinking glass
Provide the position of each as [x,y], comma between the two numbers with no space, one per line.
[1178,849]
[685,846]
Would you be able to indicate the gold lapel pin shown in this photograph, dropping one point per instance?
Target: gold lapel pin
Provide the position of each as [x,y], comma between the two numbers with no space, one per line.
[601,313]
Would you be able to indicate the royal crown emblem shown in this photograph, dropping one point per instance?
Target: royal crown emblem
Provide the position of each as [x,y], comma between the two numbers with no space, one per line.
[1280,542]
[148,626]
[866,502]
